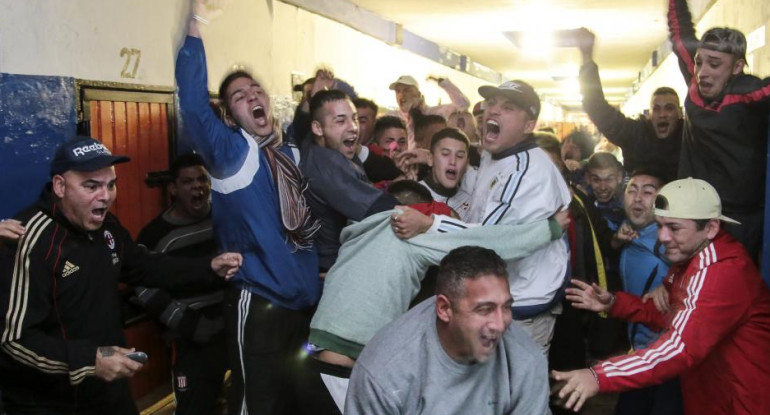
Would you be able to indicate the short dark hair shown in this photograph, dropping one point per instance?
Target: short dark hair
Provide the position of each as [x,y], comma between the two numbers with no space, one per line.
[665,90]
[603,160]
[410,192]
[450,132]
[582,141]
[467,263]
[425,121]
[649,171]
[388,121]
[548,142]
[322,97]
[232,76]
[700,224]
[366,103]
[184,161]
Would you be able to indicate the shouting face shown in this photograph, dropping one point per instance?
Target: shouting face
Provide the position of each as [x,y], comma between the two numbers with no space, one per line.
[86,197]
[713,70]
[450,159]
[248,105]
[475,322]
[338,127]
[505,124]
[665,114]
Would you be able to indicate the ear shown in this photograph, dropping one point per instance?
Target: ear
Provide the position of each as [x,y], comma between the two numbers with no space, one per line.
[712,228]
[443,308]
[172,188]
[530,126]
[738,66]
[58,186]
[229,121]
[317,128]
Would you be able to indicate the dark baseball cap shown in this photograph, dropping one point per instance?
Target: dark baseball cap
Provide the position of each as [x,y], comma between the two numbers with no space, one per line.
[83,154]
[520,92]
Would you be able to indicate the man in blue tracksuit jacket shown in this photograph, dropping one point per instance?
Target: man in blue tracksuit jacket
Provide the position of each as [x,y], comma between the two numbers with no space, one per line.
[258,210]
[642,268]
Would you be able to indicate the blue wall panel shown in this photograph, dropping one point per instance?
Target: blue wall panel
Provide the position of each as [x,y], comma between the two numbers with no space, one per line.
[37,113]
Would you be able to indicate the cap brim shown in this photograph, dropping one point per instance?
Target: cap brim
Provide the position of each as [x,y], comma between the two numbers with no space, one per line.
[101,162]
[729,220]
[667,214]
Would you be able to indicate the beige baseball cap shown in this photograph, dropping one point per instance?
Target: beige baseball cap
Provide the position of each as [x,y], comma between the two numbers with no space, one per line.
[404,80]
[690,199]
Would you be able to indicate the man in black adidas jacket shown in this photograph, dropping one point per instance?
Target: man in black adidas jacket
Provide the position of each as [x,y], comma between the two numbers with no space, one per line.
[61,341]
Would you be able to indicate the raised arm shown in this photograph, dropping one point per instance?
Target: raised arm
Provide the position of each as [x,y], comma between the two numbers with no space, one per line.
[682,33]
[618,129]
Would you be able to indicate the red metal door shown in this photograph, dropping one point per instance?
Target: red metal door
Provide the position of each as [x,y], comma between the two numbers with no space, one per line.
[139,130]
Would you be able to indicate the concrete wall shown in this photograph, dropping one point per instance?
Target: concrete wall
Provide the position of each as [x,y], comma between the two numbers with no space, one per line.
[46,44]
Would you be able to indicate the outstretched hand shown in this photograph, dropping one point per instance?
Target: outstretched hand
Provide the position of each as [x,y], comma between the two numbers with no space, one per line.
[11,229]
[590,297]
[578,386]
[227,264]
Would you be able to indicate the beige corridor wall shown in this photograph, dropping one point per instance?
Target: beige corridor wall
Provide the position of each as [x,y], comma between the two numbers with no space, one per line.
[84,39]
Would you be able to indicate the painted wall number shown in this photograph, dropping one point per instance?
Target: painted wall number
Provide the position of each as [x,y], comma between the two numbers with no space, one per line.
[130,54]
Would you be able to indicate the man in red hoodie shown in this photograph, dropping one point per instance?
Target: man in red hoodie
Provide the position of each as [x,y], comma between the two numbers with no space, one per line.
[717,335]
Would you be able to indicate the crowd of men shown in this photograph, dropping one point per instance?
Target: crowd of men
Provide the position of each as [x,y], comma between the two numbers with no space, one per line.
[427,260]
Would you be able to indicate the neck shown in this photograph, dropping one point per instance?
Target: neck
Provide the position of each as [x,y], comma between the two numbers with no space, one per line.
[445,340]
[439,188]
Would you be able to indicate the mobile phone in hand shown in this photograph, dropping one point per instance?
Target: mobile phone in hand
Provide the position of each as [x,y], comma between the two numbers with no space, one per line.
[140,357]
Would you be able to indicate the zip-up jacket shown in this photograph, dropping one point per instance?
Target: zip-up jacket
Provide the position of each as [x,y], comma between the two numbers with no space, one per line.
[59,298]
[725,139]
[245,204]
[716,338]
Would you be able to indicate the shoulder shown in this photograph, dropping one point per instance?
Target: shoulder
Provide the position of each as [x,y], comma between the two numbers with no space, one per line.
[398,341]
[153,231]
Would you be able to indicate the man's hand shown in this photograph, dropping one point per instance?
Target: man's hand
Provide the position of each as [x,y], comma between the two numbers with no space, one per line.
[324,80]
[659,297]
[227,264]
[407,222]
[585,42]
[435,78]
[579,385]
[590,297]
[562,218]
[623,236]
[11,229]
[414,156]
[209,9]
[111,363]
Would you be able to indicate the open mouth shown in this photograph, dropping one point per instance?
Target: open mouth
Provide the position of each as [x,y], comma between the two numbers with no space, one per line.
[450,174]
[99,212]
[492,129]
[349,142]
[259,114]
[461,123]
[662,127]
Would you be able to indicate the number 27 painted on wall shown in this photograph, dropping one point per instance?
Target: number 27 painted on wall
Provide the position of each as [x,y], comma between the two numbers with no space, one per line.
[130,54]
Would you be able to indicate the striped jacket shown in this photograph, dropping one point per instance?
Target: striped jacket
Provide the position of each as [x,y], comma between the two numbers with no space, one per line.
[60,301]
[717,338]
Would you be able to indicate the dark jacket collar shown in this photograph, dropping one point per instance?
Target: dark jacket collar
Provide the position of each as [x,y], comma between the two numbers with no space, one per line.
[527,144]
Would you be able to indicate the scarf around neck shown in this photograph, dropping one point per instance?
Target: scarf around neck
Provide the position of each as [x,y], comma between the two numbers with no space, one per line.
[298,223]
